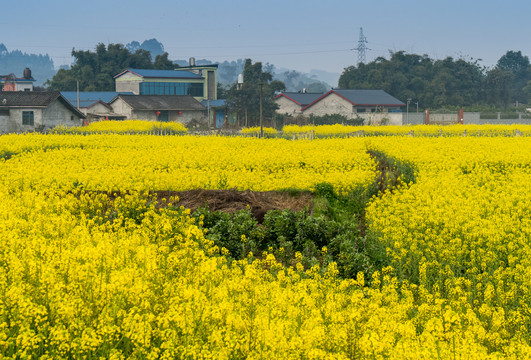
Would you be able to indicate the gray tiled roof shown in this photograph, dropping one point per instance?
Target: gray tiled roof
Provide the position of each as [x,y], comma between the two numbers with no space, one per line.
[27,98]
[161,102]
[302,99]
[368,97]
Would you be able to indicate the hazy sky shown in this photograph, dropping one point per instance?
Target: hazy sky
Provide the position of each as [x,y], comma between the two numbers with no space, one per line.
[300,35]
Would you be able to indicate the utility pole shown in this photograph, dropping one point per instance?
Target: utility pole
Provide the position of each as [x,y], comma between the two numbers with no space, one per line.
[77,82]
[261,120]
[407,111]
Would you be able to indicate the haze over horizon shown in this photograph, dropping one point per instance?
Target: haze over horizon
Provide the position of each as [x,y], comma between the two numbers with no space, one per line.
[296,35]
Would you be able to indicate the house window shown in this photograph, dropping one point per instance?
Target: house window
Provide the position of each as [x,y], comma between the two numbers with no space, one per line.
[71,117]
[171,88]
[4,112]
[27,118]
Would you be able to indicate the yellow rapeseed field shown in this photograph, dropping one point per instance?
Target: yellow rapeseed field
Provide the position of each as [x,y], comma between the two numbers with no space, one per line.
[85,276]
[411,130]
[125,127]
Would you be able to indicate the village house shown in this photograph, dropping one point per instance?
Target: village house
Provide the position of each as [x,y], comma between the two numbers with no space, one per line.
[373,106]
[197,81]
[292,103]
[94,104]
[22,111]
[176,108]
[182,95]
[12,83]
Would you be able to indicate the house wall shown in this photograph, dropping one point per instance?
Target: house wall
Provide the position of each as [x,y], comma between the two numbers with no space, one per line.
[120,107]
[332,104]
[98,108]
[13,123]
[128,83]
[9,87]
[57,114]
[287,106]
[382,118]
[25,86]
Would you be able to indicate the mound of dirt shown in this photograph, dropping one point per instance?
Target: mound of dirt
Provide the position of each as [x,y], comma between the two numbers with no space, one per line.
[234,200]
[229,201]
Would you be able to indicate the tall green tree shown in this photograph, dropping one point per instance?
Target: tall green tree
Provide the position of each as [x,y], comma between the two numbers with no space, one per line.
[499,87]
[95,70]
[518,65]
[433,84]
[244,99]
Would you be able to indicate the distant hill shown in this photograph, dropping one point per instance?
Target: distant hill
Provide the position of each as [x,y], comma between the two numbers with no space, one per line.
[154,46]
[16,61]
[295,81]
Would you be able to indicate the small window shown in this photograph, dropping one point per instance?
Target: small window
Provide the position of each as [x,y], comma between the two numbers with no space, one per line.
[71,117]
[4,112]
[27,118]
[361,110]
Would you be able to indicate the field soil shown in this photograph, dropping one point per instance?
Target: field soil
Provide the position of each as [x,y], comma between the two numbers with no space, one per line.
[233,200]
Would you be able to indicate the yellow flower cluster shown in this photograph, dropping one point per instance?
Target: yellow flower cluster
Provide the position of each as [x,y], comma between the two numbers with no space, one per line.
[255,130]
[462,231]
[125,127]
[83,275]
[141,162]
[82,278]
[411,130]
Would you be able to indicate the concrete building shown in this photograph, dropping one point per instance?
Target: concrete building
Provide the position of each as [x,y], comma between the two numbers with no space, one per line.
[177,108]
[292,103]
[22,111]
[94,104]
[374,106]
[197,81]
[12,83]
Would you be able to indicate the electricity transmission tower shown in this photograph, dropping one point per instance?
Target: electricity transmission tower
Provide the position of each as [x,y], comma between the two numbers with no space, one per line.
[362,47]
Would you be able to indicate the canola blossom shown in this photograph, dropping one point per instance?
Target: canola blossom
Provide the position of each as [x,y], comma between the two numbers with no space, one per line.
[410,130]
[125,127]
[255,130]
[116,162]
[87,275]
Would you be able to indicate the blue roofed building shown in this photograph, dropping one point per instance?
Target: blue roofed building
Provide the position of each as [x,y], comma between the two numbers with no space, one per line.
[94,104]
[197,81]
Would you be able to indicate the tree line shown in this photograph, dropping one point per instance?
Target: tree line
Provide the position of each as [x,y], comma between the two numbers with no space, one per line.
[95,70]
[445,83]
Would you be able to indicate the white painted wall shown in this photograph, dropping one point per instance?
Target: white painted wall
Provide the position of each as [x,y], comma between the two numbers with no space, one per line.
[26,86]
[287,106]
[332,104]
[98,108]
[119,106]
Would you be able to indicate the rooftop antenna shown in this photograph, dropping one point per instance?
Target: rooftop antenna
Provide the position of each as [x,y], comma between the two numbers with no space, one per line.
[362,47]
